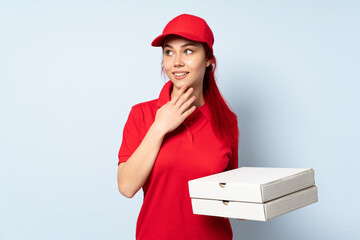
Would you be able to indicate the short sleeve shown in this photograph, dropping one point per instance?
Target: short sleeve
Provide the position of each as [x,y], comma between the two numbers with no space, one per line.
[234,159]
[131,134]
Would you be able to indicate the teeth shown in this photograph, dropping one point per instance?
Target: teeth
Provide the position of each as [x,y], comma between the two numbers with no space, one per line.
[179,74]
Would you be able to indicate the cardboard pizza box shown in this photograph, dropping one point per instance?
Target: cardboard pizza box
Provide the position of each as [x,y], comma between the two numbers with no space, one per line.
[252,184]
[255,211]
[253,193]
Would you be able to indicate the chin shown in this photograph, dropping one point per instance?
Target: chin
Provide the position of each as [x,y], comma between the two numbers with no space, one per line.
[178,83]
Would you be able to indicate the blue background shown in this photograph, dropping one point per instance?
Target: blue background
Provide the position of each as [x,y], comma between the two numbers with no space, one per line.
[71,70]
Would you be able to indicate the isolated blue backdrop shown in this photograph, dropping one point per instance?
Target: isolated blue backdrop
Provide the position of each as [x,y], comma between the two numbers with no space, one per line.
[71,70]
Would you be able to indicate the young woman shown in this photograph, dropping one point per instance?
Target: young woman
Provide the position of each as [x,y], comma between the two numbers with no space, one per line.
[187,133]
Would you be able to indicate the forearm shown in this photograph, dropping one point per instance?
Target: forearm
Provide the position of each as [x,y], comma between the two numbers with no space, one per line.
[132,176]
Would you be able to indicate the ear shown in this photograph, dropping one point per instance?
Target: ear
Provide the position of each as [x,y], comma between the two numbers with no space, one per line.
[209,62]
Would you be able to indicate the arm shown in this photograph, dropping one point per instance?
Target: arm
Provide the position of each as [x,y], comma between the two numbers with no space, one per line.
[133,173]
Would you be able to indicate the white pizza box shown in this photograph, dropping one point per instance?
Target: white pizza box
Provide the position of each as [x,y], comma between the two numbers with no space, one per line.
[255,211]
[252,184]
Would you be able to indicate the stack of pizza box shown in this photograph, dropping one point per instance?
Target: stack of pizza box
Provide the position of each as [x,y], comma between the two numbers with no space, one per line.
[253,193]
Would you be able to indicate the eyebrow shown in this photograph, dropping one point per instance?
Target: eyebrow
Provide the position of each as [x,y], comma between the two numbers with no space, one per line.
[184,45]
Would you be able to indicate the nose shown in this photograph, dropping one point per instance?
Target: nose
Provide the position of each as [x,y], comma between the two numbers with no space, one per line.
[178,62]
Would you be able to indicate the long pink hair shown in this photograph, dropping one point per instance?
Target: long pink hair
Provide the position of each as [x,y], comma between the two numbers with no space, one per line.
[223,119]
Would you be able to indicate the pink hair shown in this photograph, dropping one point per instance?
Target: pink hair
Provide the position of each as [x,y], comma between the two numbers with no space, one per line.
[223,119]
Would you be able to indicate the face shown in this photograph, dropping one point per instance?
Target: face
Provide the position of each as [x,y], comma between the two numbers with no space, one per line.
[184,62]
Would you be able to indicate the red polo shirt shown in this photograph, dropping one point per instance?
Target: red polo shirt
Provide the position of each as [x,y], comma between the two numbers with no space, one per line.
[190,151]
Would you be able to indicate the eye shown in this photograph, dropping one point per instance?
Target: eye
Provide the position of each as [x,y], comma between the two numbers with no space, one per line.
[168,52]
[188,51]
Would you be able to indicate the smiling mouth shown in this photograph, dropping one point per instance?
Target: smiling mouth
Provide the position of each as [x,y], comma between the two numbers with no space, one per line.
[180,74]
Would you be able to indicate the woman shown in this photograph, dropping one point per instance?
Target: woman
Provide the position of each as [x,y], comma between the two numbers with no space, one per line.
[187,133]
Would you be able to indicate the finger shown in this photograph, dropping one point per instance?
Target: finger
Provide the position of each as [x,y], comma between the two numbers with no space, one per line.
[178,94]
[187,104]
[188,112]
[184,97]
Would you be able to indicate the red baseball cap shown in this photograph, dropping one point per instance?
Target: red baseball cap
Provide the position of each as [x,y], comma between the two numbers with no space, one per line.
[188,26]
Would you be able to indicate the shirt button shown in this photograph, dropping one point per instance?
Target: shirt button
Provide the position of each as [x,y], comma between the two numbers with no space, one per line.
[188,133]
